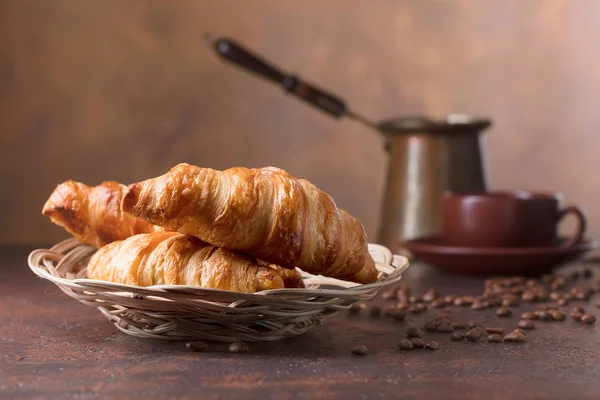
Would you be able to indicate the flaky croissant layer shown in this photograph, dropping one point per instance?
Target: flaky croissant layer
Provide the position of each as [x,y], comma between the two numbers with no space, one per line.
[262,212]
[170,258]
[93,214]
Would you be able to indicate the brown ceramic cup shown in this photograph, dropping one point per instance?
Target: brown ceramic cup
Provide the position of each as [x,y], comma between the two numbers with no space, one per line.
[506,219]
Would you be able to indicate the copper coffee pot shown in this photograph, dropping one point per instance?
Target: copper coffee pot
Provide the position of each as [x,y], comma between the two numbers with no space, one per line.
[426,156]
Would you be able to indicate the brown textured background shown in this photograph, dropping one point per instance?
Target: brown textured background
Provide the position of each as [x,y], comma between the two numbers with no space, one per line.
[94,90]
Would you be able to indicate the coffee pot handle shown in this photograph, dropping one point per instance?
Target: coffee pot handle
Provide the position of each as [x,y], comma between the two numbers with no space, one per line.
[234,53]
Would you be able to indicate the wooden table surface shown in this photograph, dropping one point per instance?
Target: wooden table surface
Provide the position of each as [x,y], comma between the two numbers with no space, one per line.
[51,346]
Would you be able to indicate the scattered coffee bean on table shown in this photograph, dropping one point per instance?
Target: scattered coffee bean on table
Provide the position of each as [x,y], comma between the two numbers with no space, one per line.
[473,335]
[503,312]
[375,310]
[521,331]
[515,337]
[238,347]
[413,333]
[528,296]
[417,343]
[557,315]
[492,330]
[562,302]
[554,296]
[494,338]
[360,350]
[578,309]
[405,344]
[588,319]
[472,324]
[431,345]
[430,295]
[196,346]
[457,336]
[510,301]
[528,315]
[450,298]
[576,316]
[526,324]
[543,315]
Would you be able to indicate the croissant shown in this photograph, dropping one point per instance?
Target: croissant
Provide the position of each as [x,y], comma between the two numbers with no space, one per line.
[292,278]
[93,214]
[263,212]
[170,258]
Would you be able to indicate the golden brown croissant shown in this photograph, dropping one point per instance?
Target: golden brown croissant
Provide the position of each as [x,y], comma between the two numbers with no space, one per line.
[93,214]
[292,278]
[170,258]
[262,212]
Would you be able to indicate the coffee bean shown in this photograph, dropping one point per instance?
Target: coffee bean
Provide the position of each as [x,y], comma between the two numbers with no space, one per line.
[521,331]
[528,296]
[558,283]
[196,346]
[515,337]
[402,306]
[238,347]
[492,330]
[413,333]
[457,336]
[578,309]
[445,328]
[577,316]
[473,335]
[459,302]
[442,320]
[503,312]
[543,315]
[430,295]
[472,324]
[431,345]
[417,343]
[438,303]
[450,298]
[389,295]
[588,319]
[528,315]
[354,309]
[430,326]
[526,324]
[510,301]
[554,296]
[405,344]
[478,305]
[557,315]
[360,350]
[375,310]
[413,300]
[562,302]
[494,338]
[459,325]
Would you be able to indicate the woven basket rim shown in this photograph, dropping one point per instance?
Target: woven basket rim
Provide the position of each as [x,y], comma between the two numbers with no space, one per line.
[180,312]
[398,264]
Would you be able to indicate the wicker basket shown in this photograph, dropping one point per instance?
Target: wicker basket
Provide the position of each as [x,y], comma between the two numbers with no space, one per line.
[187,313]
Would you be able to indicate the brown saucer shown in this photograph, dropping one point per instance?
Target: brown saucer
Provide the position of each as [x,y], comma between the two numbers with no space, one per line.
[494,260]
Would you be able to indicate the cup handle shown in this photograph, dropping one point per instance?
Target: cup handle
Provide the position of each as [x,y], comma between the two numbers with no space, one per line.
[581,225]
